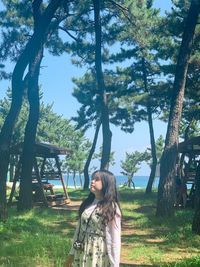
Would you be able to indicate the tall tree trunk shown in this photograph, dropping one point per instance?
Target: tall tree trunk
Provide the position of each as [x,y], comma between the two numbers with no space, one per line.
[151,132]
[18,87]
[11,169]
[196,219]
[25,193]
[180,171]
[107,134]
[165,202]
[80,179]
[74,178]
[87,164]
[153,153]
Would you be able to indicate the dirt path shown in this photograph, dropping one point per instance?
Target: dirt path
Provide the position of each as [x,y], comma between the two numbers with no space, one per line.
[73,205]
[127,229]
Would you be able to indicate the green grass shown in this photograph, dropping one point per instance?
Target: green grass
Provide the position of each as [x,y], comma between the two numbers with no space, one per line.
[42,237]
[153,240]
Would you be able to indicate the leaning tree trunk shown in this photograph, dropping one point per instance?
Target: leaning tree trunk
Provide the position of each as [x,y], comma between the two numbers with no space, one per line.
[153,152]
[18,86]
[151,132]
[107,134]
[25,193]
[87,164]
[196,219]
[41,26]
[165,202]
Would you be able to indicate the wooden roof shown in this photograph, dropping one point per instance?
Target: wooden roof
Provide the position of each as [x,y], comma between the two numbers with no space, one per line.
[190,146]
[42,149]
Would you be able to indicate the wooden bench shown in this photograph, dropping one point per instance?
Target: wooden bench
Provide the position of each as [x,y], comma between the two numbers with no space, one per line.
[54,197]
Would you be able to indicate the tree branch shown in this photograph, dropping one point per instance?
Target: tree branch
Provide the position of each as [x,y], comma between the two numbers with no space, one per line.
[36,6]
[65,30]
[118,5]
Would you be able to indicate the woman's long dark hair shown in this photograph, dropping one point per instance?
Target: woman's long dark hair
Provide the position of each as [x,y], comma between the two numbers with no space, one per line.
[108,205]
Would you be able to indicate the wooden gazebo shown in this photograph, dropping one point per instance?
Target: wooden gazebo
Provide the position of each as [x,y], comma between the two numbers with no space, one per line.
[191,148]
[41,187]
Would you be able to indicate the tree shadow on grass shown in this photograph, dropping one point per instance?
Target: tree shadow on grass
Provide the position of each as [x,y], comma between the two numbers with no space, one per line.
[133,265]
[78,195]
[40,233]
[144,228]
[34,221]
[131,195]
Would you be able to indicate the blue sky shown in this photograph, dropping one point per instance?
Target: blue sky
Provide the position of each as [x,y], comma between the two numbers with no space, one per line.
[55,78]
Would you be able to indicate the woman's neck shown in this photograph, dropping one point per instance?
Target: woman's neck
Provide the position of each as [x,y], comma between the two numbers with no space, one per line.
[98,196]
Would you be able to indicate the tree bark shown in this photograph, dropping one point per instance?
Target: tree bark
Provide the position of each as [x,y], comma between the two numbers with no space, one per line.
[180,171]
[25,193]
[151,132]
[41,25]
[74,178]
[11,169]
[80,179]
[196,219]
[165,202]
[18,87]
[87,164]
[107,134]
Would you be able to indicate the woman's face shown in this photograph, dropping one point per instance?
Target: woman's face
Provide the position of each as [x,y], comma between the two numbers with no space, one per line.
[96,185]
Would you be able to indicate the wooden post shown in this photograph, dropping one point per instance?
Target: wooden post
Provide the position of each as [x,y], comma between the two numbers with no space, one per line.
[67,179]
[40,181]
[61,178]
[80,179]
[42,167]
[16,178]
[74,178]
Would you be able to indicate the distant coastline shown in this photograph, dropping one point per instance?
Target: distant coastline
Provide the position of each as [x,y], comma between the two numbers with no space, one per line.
[139,181]
[78,187]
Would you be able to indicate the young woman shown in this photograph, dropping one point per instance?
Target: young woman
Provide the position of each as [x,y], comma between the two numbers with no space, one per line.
[97,239]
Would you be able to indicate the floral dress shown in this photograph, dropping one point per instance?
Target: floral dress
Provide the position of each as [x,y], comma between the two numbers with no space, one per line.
[95,252]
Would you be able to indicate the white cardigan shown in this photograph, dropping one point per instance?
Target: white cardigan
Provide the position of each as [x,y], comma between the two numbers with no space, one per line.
[113,235]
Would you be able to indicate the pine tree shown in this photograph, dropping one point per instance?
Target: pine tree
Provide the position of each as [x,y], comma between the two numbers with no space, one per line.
[140,32]
[131,164]
[29,54]
[165,202]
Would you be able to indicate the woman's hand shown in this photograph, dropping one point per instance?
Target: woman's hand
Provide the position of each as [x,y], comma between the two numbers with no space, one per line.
[69,261]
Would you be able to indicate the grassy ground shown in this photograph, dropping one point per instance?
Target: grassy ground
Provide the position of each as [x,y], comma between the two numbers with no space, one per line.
[149,240]
[42,237]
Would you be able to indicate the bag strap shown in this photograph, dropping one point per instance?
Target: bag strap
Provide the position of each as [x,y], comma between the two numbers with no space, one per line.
[86,225]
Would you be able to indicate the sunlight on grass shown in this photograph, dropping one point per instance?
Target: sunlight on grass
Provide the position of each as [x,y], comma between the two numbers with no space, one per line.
[42,237]
[36,237]
[152,240]
[142,253]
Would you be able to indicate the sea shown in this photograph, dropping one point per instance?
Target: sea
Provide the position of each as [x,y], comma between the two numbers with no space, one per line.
[139,181]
